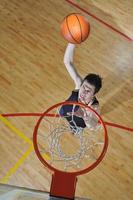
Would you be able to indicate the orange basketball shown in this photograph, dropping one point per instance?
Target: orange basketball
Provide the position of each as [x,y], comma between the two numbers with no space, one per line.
[75,28]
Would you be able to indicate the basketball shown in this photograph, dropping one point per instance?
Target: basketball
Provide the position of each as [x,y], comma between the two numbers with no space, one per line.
[75,28]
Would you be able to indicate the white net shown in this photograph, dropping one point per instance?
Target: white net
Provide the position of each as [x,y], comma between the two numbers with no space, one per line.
[67,141]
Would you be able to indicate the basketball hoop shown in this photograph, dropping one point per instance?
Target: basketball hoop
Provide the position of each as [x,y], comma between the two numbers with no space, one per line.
[66,148]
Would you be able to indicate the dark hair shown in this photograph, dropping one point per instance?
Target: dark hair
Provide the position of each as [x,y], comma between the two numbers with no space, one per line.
[95,80]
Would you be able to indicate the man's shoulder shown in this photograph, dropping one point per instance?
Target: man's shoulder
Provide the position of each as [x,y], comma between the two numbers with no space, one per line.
[75,91]
[73,96]
[95,105]
[95,101]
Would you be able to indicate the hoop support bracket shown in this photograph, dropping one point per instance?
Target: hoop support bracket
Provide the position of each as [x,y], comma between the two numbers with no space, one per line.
[63,185]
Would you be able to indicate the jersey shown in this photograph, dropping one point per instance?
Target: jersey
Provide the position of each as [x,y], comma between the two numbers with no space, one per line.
[74,121]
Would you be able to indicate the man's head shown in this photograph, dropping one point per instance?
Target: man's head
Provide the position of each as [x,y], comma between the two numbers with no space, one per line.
[90,86]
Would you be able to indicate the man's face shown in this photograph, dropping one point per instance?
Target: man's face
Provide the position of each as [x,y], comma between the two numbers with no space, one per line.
[86,92]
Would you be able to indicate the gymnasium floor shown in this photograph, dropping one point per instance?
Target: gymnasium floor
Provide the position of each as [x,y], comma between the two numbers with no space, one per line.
[33,78]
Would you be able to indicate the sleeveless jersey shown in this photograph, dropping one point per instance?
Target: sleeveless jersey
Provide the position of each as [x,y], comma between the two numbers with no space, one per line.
[74,121]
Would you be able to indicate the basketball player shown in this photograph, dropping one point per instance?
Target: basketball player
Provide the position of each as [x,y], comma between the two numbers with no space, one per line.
[84,92]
